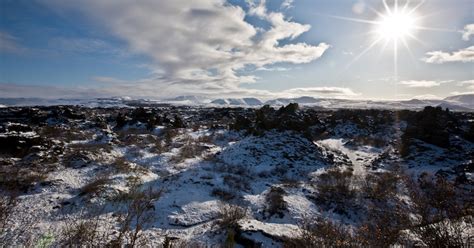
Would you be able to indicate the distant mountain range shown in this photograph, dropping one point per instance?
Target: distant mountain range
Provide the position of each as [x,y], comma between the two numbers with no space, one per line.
[456,103]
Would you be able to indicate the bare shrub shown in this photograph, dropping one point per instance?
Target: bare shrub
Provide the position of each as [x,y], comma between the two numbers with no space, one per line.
[136,215]
[436,198]
[441,208]
[380,187]
[276,205]
[171,242]
[122,165]
[446,233]
[230,215]
[321,233]
[169,134]
[158,147]
[81,231]
[205,139]
[334,189]
[234,169]
[237,182]
[383,225]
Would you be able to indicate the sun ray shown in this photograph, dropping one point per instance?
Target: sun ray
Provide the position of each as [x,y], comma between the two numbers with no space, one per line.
[405,44]
[375,42]
[435,29]
[378,13]
[387,9]
[406,5]
[395,60]
[412,10]
[352,19]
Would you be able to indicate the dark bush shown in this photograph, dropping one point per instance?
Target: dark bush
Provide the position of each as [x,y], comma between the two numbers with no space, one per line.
[276,205]
[178,122]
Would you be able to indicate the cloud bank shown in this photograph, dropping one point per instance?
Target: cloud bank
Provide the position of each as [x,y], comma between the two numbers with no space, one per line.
[440,57]
[146,90]
[420,83]
[205,43]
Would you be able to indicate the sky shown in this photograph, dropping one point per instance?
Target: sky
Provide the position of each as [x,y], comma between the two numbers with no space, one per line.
[159,49]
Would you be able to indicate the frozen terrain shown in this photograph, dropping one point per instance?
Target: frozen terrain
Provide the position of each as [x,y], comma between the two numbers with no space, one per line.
[257,177]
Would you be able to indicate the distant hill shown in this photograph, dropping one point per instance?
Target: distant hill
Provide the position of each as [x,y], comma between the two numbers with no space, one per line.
[299,100]
[467,99]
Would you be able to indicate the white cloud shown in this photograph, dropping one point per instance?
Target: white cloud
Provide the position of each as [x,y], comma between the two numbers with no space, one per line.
[420,83]
[273,69]
[287,4]
[468,83]
[199,42]
[440,57]
[427,97]
[455,93]
[9,44]
[318,91]
[467,32]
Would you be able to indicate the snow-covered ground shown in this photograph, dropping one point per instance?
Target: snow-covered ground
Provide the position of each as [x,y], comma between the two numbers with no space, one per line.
[274,175]
[360,156]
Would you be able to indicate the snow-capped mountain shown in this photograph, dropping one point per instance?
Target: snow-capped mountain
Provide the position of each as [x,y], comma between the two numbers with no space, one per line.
[456,103]
[238,101]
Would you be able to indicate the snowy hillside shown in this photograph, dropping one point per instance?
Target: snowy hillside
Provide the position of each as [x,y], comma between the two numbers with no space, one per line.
[258,177]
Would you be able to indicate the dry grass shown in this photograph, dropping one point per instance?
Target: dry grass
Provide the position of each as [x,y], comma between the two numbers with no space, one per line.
[122,165]
[81,232]
[14,178]
[95,187]
[15,224]
[93,147]
[65,134]
[223,194]
[7,205]
[190,149]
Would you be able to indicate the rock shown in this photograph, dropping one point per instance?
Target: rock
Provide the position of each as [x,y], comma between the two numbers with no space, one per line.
[18,145]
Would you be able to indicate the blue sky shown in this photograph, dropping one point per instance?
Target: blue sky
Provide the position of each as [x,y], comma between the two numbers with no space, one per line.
[215,48]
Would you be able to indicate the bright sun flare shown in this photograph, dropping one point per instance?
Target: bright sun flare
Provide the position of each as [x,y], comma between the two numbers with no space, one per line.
[395,25]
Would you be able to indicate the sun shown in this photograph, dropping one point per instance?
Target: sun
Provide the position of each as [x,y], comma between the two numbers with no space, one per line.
[395,25]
